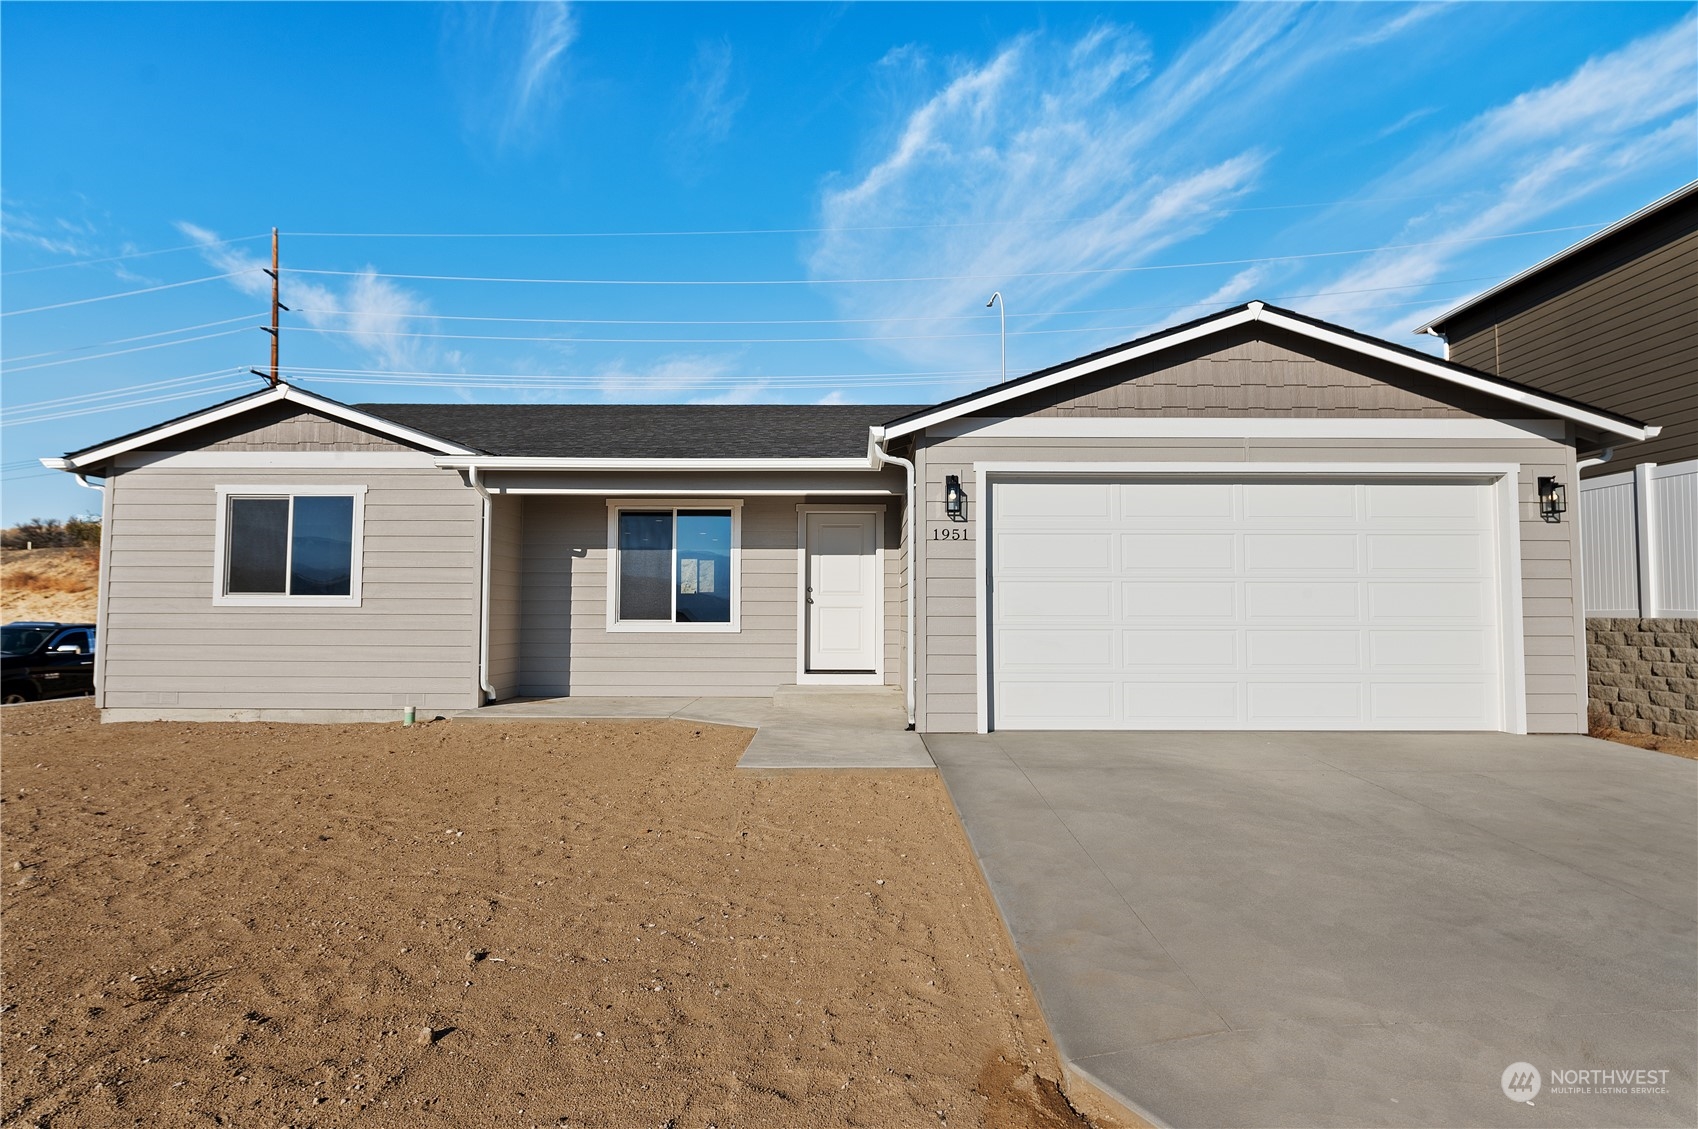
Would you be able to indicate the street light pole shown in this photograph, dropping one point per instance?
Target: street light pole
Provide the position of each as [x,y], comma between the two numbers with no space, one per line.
[1002,314]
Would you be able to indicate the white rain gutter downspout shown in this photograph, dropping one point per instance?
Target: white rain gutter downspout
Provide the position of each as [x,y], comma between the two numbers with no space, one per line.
[472,477]
[884,459]
[1599,459]
[100,591]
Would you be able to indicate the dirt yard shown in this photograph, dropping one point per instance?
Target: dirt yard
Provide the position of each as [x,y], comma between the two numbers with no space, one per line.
[469,923]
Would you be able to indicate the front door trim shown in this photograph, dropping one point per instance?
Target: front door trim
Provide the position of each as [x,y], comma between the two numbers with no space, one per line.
[805,677]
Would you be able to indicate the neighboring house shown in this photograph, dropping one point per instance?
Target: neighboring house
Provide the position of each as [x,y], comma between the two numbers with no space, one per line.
[1256,520]
[1613,321]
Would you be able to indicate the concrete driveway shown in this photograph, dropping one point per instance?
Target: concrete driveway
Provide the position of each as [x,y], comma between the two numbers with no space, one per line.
[1261,929]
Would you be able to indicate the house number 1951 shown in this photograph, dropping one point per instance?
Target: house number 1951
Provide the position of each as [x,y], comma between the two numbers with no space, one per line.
[949,533]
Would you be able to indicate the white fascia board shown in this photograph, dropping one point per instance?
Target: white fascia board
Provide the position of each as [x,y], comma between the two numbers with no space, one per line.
[278,394]
[518,462]
[1002,393]
[56,464]
[1455,376]
[1246,427]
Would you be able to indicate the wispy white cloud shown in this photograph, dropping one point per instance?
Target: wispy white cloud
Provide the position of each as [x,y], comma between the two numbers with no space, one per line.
[370,313]
[695,378]
[1618,115]
[1137,157]
[711,100]
[509,63]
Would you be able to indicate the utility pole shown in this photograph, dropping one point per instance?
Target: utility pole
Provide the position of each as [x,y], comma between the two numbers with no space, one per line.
[276,307]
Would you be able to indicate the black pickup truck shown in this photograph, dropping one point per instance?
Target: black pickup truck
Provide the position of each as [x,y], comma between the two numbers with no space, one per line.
[45,660]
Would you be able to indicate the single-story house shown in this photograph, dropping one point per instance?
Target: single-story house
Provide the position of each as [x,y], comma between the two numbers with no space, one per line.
[1256,520]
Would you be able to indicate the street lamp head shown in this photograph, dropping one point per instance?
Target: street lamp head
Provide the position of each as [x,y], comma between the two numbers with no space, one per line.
[994,298]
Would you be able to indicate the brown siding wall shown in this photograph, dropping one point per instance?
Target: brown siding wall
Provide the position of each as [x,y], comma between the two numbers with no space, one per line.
[1624,339]
[1552,623]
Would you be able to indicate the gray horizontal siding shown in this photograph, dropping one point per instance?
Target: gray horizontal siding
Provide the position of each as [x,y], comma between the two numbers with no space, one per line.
[412,640]
[1552,624]
[566,649]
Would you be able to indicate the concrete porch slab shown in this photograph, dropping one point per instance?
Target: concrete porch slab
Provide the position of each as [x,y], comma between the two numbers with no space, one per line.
[800,727]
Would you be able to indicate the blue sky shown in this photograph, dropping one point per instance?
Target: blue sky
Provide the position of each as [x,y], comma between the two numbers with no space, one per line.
[769,202]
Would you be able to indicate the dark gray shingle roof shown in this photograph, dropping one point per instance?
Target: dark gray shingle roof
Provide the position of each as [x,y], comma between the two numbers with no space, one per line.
[650,431]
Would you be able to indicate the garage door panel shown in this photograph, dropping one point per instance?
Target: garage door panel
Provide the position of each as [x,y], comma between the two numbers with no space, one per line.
[1427,553]
[1083,551]
[1055,649]
[1073,704]
[1394,502]
[1182,502]
[1050,600]
[1277,704]
[1283,501]
[1278,605]
[1425,601]
[1166,552]
[1306,553]
[1176,599]
[1335,600]
[1430,705]
[1441,650]
[1284,650]
[1201,704]
[1180,648]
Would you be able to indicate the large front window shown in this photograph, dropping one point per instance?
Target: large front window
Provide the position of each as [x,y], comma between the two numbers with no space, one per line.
[295,545]
[674,566]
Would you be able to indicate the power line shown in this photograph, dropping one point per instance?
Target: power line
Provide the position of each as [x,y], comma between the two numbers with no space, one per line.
[141,403]
[1063,221]
[125,352]
[126,340]
[862,321]
[116,393]
[1078,273]
[123,294]
[131,255]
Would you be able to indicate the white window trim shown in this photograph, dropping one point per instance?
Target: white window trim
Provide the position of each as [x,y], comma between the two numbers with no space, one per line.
[1503,478]
[220,546]
[615,624]
[804,676]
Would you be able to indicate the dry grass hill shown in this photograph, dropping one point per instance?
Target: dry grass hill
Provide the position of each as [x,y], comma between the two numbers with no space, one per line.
[49,584]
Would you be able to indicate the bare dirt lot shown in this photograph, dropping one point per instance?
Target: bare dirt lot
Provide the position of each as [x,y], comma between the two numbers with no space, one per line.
[467,924]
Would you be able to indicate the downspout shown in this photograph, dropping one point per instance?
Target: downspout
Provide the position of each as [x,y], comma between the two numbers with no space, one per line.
[912,500]
[483,602]
[100,594]
[1599,459]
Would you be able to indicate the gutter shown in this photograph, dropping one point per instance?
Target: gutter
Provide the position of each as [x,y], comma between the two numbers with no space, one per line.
[881,458]
[1599,459]
[101,590]
[483,573]
[527,462]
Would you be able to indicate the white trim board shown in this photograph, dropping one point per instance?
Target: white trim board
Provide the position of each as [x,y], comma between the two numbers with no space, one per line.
[1245,427]
[1260,312]
[516,462]
[282,393]
[1504,478]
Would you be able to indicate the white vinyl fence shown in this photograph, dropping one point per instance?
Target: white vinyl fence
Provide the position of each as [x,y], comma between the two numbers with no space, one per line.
[1639,542]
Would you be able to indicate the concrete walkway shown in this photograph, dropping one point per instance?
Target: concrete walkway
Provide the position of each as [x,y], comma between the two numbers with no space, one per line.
[1348,929]
[800,727]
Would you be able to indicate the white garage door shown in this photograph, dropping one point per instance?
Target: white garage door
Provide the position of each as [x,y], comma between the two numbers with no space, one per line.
[1244,605]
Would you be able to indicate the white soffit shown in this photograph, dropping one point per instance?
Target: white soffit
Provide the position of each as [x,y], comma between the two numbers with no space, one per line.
[1254,312]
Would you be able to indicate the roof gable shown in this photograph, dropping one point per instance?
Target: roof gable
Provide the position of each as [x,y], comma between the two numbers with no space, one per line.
[1471,391]
[261,404]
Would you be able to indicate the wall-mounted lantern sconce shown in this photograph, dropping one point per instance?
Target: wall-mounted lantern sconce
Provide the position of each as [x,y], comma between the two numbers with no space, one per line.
[1553,499]
[954,500]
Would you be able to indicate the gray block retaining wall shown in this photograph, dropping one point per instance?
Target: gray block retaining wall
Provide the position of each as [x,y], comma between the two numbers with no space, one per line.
[1643,675]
